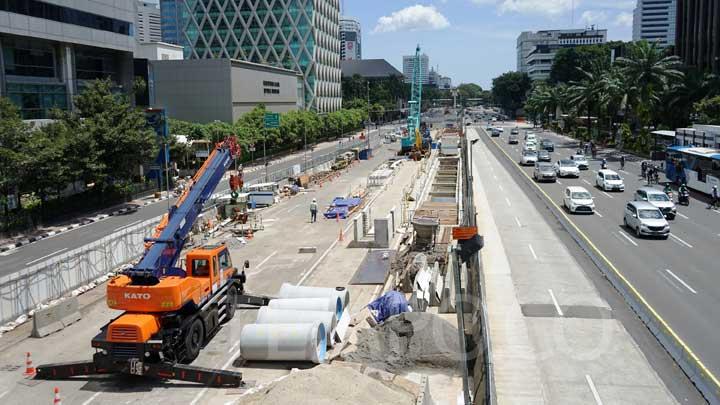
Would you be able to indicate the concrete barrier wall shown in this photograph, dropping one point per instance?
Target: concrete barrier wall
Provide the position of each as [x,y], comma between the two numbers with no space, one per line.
[24,290]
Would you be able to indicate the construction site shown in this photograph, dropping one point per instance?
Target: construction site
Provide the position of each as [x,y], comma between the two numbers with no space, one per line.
[344,283]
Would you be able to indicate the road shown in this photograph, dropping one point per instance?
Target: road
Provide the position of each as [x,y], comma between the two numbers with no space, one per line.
[47,248]
[677,276]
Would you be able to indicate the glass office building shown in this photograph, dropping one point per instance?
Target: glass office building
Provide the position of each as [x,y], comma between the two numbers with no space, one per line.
[302,35]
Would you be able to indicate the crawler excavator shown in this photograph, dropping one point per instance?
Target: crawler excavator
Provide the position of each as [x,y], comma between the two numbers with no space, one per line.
[171,312]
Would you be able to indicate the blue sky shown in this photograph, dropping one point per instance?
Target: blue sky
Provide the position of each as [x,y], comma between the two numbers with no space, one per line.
[474,40]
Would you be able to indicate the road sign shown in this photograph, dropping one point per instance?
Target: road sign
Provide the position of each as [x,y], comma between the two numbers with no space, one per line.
[154,167]
[272,120]
[252,148]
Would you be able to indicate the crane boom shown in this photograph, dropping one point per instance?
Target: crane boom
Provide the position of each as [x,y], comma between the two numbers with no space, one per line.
[163,250]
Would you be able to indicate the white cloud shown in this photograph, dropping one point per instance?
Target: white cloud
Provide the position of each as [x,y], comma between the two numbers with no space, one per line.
[551,8]
[624,20]
[412,18]
[483,2]
[591,17]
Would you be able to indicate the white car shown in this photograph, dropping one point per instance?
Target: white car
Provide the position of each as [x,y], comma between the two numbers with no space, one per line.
[609,180]
[581,162]
[529,158]
[531,146]
[566,168]
[530,136]
[577,199]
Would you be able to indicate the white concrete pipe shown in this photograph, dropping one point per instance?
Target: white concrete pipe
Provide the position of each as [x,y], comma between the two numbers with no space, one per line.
[332,304]
[288,290]
[327,318]
[288,342]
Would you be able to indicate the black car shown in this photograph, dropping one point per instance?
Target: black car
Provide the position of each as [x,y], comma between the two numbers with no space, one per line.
[547,145]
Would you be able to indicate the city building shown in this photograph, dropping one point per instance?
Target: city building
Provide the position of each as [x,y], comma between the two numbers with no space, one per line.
[444,83]
[409,65]
[654,21]
[350,39]
[302,35]
[147,23]
[145,53]
[536,50]
[368,68]
[205,90]
[698,34]
[171,21]
[51,50]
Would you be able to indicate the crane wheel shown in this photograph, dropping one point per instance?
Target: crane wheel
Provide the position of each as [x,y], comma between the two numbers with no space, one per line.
[230,303]
[194,340]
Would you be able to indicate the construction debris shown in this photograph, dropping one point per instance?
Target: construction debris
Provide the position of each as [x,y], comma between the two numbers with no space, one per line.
[405,341]
[333,385]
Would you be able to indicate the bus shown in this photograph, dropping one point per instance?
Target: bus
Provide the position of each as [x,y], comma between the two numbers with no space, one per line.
[698,168]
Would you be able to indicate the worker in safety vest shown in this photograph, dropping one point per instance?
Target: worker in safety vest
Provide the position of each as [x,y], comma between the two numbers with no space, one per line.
[313,210]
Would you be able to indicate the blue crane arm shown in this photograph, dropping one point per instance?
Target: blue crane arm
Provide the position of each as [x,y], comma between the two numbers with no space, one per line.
[164,250]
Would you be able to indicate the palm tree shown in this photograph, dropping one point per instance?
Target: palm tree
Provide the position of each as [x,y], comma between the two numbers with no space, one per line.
[586,93]
[651,72]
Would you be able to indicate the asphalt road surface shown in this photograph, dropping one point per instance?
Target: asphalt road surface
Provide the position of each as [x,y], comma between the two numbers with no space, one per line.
[18,259]
[678,276]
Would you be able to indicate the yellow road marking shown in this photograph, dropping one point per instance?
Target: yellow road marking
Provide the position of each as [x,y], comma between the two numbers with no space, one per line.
[627,282]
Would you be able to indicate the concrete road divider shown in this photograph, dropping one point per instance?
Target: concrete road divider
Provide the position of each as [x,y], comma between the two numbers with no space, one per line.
[55,318]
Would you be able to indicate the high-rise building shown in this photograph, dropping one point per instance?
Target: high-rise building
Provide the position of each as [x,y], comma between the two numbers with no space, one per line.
[536,50]
[350,39]
[148,22]
[51,49]
[654,21]
[301,35]
[171,21]
[698,34]
[409,65]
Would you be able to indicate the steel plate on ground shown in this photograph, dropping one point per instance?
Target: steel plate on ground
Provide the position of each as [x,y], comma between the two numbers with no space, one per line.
[374,267]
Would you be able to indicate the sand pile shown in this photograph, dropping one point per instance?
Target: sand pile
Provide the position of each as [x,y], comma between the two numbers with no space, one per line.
[407,340]
[329,385]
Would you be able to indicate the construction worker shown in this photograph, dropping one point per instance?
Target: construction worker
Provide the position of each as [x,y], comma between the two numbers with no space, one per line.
[313,210]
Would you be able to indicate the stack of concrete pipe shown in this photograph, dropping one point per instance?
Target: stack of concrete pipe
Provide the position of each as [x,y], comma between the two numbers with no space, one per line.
[298,326]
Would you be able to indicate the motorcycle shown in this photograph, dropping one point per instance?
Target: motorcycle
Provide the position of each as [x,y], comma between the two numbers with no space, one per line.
[684,197]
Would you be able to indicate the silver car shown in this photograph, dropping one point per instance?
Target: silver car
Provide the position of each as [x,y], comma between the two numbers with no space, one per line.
[580,161]
[544,172]
[658,199]
[645,219]
[528,158]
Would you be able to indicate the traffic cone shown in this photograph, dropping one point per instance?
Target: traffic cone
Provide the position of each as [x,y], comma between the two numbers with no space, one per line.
[57,400]
[337,217]
[340,238]
[29,369]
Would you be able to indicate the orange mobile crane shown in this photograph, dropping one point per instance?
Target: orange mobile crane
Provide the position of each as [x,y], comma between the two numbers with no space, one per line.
[170,312]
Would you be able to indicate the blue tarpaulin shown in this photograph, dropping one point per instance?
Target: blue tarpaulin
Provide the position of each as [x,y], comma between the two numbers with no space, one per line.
[389,304]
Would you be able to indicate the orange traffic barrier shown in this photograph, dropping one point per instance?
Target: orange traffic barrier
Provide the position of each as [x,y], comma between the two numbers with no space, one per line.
[29,369]
[340,238]
[56,399]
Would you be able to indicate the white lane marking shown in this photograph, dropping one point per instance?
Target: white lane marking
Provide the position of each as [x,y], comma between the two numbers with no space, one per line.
[4,393]
[204,390]
[681,241]
[258,269]
[293,208]
[628,238]
[46,256]
[717,211]
[500,187]
[672,283]
[598,214]
[127,225]
[92,398]
[608,195]
[557,306]
[681,281]
[233,347]
[594,390]
[559,182]
[532,251]
[495,177]
[586,182]
[508,202]
[517,221]
[683,216]
[623,171]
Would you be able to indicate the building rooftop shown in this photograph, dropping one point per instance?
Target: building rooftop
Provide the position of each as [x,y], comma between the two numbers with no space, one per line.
[368,68]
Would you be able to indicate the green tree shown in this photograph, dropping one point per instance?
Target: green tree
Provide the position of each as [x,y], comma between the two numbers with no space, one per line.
[13,134]
[708,110]
[510,90]
[568,60]
[467,91]
[585,95]
[652,73]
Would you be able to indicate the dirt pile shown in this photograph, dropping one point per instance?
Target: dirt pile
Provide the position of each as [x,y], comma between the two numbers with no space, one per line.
[407,340]
[329,385]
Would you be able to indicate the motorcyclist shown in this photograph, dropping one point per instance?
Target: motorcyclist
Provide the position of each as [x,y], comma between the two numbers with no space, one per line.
[667,189]
[603,165]
[683,190]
